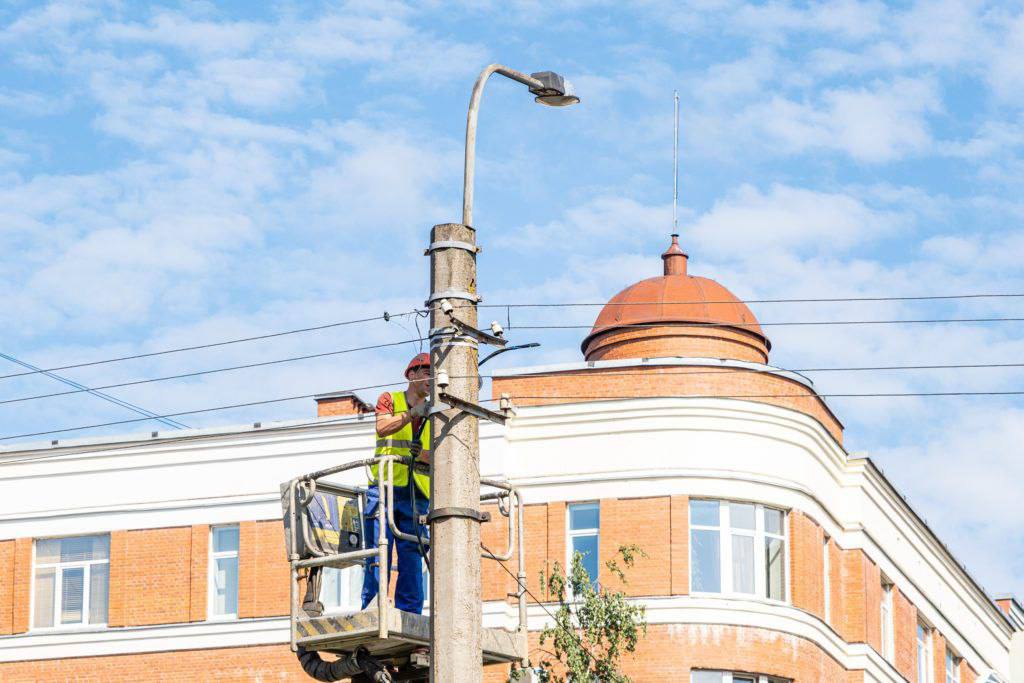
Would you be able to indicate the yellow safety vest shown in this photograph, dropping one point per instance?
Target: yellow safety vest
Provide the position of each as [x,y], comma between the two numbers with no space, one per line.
[400,443]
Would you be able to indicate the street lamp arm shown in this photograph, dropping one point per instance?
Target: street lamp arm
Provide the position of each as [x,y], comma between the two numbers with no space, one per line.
[471,117]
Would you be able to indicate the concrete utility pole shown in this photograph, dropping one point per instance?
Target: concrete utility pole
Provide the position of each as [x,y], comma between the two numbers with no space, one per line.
[455,607]
[455,604]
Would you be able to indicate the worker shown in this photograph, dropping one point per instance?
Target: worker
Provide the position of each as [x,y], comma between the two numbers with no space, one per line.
[403,428]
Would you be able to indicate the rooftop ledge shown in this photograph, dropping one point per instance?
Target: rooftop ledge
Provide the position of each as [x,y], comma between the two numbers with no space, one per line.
[655,362]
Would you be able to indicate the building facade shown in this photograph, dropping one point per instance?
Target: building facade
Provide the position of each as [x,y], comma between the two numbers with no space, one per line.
[772,554]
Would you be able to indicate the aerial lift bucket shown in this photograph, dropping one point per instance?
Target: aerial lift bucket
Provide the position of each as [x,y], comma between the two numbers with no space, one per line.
[323,525]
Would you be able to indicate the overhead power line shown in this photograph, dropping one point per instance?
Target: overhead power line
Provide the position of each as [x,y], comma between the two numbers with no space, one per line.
[514,397]
[628,326]
[99,394]
[194,412]
[213,371]
[907,394]
[73,451]
[757,301]
[197,347]
[724,369]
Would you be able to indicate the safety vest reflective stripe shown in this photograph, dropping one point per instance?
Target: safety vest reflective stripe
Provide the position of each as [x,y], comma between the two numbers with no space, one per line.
[401,443]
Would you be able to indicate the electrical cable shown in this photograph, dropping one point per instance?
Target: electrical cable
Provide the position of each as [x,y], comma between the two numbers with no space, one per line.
[656,369]
[722,370]
[170,440]
[540,604]
[907,394]
[628,326]
[213,371]
[941,297]
[192,412]
[208,346]
[98,394]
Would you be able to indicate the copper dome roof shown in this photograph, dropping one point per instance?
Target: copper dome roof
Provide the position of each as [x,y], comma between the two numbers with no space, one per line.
[675,299]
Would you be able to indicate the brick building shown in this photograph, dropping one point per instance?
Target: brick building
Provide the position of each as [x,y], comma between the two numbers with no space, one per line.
[773,555]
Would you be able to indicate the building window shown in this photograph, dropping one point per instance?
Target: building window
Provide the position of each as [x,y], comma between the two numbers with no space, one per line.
[71,581]
[737,548]
[341,589]
[886,618]
[952,667]
[223,595]
[826,564]
[584,524]
[729,677]
[924,654]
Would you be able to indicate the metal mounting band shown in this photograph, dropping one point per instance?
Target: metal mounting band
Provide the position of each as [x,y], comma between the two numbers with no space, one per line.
[462,513]
[452,244]
[454,294]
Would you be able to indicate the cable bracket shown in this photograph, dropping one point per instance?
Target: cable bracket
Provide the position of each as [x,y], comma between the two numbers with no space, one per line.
[462,513]
[452,244]
[453,294]
[448,402]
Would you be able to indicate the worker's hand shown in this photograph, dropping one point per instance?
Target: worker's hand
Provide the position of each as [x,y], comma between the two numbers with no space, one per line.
[419,409]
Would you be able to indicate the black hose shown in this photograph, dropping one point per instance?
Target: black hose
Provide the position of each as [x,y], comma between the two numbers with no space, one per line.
[316,667]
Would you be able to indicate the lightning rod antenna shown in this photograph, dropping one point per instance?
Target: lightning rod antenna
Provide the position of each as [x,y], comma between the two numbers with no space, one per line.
[675,168]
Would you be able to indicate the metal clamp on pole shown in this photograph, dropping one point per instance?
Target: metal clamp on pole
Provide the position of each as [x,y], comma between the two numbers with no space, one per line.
[464,513]
[453,294]
[452,244]
[495,339]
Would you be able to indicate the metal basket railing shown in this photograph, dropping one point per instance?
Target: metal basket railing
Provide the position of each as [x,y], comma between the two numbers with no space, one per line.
[302,489]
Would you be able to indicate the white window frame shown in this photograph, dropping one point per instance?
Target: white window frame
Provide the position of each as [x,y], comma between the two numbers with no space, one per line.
[571,533]
[924,649]
[211,585]
[354,600]
[725,534]
[727,676]
[887,621]
[954,661]
[826,563]
[58,588]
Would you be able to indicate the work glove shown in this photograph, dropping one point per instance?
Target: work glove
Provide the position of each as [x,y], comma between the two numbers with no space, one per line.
[420,409]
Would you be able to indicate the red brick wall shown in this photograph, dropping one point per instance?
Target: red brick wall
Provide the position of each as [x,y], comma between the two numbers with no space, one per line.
[260,663]
[495,582]
[905,623]
[157,576]
[670,652]
[199,564]
[644,522]
[22,584]
[263,571]
[680,557]
[835,563]
[806,567]
[637,382]
[116,615]
[160,576]
[938,657]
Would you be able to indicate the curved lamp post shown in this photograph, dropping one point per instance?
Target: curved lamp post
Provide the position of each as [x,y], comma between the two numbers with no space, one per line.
[549,89]
[455,623]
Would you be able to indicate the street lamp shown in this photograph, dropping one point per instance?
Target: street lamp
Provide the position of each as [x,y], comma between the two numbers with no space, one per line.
[549,89]
[455,621]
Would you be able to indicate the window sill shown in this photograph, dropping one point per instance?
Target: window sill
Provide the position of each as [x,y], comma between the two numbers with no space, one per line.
[68,628]
[742,596]
[222,617]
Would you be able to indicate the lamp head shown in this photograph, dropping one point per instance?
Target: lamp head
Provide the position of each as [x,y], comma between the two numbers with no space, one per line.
[554,91]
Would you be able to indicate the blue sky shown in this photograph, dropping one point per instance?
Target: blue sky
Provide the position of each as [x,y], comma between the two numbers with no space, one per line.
[177,173]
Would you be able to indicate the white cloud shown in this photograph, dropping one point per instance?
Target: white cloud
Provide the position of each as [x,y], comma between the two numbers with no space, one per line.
[785,218]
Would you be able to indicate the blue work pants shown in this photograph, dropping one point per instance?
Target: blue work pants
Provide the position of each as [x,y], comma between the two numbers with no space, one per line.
[409,589]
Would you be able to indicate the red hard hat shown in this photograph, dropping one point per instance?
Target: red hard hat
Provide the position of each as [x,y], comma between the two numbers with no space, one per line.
[420,360]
